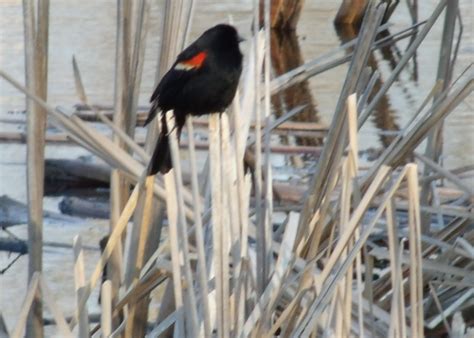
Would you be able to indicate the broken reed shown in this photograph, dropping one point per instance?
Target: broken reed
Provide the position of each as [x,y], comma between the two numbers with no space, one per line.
[36,27]
[213,281]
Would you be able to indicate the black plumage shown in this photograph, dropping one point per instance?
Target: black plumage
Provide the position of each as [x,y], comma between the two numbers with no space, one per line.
[203,80]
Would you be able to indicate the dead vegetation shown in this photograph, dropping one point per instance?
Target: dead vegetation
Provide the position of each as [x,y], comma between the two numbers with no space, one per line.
[362,254]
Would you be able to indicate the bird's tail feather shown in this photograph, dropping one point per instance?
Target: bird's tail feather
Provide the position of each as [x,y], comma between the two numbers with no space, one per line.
[152,113]
[161,159]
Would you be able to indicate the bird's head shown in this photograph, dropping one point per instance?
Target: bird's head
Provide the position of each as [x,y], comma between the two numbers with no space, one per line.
[221,36]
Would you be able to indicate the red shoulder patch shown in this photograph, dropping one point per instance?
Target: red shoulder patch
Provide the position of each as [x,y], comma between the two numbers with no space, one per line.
[193,63]
[197,60]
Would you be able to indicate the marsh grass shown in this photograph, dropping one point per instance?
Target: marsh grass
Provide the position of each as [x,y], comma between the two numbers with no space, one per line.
[227,272]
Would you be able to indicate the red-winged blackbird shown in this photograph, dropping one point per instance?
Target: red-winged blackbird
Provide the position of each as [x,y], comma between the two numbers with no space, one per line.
[203,80]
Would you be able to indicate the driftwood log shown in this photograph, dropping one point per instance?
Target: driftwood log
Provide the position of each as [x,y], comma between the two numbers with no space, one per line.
[17,245]
[62,175]
[20,137]
[74,177]
[97,175]
[76,172]
[75,206]
[13,212]
[13,245]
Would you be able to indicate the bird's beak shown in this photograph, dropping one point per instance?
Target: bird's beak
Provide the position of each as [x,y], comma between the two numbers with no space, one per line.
[240,39]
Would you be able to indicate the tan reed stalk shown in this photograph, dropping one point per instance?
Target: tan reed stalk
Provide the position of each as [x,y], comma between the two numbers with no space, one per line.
[199,240]
[275,282]
[106,307]
[397,323]
[403,61]
[36,27]
[140,251]
[133,46]
[334,145]
[173,238]
[321,280]
[190,299]
[119,189]
[138,27]
[353,155]
[416,277]
[80,90]
[217,218]
[80,281]
[267,199]
[114,238]
[241,132]
[349,174]
[257,176]
[229,228]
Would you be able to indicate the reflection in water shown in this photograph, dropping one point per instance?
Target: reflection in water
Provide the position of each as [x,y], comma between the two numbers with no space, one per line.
[384,116]
[413,10]
[286,55]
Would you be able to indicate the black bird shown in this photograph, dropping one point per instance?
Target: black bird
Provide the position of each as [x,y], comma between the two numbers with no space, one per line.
[202,80]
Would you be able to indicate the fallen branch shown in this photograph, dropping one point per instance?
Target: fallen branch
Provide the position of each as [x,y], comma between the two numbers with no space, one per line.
[13,212]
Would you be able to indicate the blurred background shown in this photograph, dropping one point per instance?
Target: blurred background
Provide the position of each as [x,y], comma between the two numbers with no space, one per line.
[87,30]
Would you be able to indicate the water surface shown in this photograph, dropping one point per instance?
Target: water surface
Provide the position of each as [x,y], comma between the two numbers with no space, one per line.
[86,29]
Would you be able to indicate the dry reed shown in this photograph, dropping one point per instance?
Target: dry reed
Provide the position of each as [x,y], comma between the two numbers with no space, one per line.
[228,272]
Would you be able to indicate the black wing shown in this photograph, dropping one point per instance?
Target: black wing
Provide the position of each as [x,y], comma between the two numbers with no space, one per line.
[171,82]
